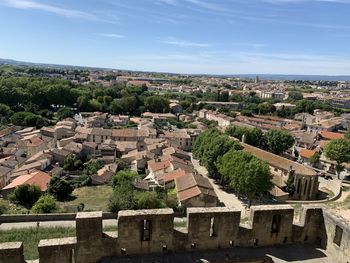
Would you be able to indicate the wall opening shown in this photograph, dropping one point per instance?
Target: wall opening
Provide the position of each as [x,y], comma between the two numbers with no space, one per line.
[146,230]
[338,235]
[305,187]
[212,232]
[298,186]
[276,222]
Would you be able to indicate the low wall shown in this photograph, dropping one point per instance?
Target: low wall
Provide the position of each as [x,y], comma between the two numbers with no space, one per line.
[152,231]
[47,217]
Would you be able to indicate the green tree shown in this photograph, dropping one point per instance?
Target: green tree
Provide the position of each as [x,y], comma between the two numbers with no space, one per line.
[59,188]
[122,198]
[64,113]
[290,186]
[278,141]
[3,207]
[254,137]
[338,151]
[157,104]
[295,95]
[45,205]
[69,161]
[26,195]
[148,200]
[245,173]
[315,158]
[91,167]
[209,146]
[123,177]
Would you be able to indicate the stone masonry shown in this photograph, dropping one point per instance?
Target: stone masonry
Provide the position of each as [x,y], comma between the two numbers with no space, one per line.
[153,232]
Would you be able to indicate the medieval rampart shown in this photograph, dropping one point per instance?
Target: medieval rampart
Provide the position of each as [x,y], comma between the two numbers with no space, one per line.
[152,231]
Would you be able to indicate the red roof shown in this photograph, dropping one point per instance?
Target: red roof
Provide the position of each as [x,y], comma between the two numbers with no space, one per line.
[307,153]
[172,175]
[331,135]
[35,177]
[158,165]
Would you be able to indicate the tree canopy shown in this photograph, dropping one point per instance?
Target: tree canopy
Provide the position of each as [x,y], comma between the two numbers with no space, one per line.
[245,173]
[26,195]
[209,146]
[278,141]
[60,188]
[338,151]
[45,205]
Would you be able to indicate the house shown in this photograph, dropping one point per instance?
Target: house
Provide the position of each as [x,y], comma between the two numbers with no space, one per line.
[194,190]
[32,144]
[4,175]
[168,179]
[326,135]
[32,177]
[182,139]
[305,179]
[105,174]
[306,154]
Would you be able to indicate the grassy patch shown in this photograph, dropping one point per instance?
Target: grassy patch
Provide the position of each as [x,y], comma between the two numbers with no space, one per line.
[244,220]
[94,198]
[31,237]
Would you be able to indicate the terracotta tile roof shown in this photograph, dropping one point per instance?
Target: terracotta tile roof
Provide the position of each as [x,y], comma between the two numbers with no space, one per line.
[278,161]
[331,135]
[307,153]
[34,141]
[169,177]
[125,133]
[195,191]
[192,180]
[159,165]
[35,177]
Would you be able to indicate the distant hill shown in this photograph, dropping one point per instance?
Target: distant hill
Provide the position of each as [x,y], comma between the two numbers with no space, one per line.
[261,76]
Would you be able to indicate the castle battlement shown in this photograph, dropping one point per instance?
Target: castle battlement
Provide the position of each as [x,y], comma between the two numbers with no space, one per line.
[153,231]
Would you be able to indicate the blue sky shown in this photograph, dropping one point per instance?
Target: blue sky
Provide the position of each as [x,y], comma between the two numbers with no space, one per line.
[181,36]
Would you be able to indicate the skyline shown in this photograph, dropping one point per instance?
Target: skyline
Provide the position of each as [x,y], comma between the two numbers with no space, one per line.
[306,37]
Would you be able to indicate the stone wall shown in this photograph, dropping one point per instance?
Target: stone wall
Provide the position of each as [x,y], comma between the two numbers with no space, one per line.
[152,231]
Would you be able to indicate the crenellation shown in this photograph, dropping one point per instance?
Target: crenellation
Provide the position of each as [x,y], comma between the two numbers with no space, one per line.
[59,250]
[272,225]
[146,231]
[212,227]
[11,252]
[152,231]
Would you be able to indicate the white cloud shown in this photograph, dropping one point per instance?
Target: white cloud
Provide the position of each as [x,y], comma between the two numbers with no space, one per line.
[111,35]
[186,44]
[58,10]
[168,2]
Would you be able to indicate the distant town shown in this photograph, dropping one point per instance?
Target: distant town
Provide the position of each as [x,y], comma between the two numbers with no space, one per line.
[74,140]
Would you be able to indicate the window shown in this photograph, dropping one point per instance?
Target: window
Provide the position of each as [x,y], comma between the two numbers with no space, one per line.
[298,186]
[146,230]
[305,187]
[338,235]
[276,221]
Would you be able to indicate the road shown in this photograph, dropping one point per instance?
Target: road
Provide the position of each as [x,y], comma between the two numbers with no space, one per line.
[227,198]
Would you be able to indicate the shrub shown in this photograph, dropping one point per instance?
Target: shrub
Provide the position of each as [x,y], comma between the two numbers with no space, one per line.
[26,195]
[60,189]
[45,205]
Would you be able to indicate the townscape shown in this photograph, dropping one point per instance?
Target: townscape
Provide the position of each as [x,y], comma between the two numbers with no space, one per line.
[144,141]
[174,131]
